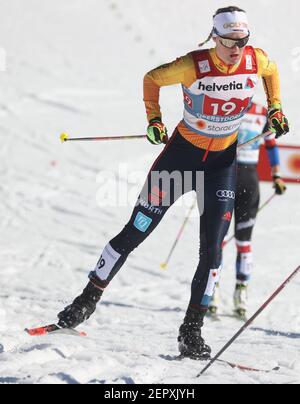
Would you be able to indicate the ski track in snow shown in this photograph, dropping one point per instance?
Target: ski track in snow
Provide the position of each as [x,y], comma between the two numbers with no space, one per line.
[53,231]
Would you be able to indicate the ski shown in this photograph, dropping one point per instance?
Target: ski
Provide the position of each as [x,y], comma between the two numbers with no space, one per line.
[53,329]
[233,365]
[247,368]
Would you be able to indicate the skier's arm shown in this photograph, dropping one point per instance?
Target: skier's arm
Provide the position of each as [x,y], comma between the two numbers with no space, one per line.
[270,75]
[269,72]
[181,71]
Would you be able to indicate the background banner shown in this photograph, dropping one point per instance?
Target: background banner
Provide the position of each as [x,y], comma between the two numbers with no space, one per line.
[289,160]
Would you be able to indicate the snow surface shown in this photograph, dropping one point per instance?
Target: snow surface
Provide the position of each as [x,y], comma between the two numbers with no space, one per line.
[77,66]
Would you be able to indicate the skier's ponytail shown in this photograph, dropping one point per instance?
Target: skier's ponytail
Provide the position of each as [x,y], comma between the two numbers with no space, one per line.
[208,39]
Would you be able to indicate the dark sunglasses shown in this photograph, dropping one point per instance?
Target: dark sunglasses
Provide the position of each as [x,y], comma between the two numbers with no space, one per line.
[231,43]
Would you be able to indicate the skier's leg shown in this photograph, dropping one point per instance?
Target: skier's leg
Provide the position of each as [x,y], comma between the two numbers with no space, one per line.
[158,194]
[214,225]
[143,221]
[219,205]
[247,204]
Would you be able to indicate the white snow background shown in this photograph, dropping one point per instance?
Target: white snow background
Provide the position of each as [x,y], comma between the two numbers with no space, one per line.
[78,66]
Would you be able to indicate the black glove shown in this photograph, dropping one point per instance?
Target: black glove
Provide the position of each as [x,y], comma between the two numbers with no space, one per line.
[279,185]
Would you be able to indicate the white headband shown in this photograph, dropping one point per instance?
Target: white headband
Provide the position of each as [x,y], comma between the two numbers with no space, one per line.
[230,23]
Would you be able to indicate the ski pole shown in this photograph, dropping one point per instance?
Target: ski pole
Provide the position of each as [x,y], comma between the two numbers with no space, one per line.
[255,139]
[259,210]
[165,264]
[65,138]
[249,322]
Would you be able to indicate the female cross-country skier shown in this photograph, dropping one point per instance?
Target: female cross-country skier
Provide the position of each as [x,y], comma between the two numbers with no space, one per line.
[218,86]
[247,201]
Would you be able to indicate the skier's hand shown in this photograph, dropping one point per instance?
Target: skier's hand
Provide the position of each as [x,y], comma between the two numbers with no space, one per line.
[278,122]
[279,185]
[157,132]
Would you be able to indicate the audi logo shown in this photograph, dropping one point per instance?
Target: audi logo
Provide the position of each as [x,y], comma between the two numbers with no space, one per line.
[226,194]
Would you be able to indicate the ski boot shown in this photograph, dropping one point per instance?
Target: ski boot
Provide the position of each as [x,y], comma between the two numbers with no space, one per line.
[191,343]
[83,306]
[241,300]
